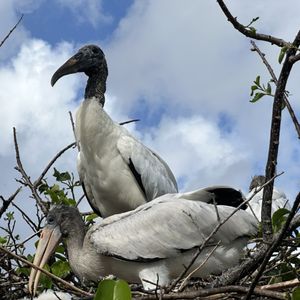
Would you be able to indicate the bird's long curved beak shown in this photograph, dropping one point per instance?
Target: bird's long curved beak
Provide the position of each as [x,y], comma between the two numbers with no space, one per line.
[72,65]
[49,239]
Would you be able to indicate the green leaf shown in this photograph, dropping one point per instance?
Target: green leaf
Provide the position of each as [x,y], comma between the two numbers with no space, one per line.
[252,29]
[282,53]
[45,281]
[61,268]
[10,216]
[257,97]
[91,217]
[257,80]
[64,176]
[113,290]
[279,218]
[296,293]
[105,290]
[23,270]
[3,240]
[253,88]
[43,187]
[122,290]
[269,89]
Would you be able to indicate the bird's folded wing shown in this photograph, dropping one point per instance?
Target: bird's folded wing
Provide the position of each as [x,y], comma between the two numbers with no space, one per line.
[165,227]
[150,171]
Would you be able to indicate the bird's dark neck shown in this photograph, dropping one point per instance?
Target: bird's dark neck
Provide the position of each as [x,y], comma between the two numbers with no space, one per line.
[96,87]
[76,237]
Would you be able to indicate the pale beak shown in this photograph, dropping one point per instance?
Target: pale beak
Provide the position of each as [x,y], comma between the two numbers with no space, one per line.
[49,239]
[72,65]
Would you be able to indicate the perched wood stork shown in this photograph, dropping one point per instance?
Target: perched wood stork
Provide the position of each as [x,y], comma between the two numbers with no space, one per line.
[152,242]
[117,171]
[279,199]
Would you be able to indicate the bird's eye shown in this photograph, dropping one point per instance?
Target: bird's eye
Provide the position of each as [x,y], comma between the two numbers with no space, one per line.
[50,220]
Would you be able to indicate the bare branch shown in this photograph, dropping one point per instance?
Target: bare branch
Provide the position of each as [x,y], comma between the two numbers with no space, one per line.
[26,177]
[281,285]
[65,283]
[11,31]
[38,181]
[250,33]
[7,202]
[285,98]
[129,121]
[274,140]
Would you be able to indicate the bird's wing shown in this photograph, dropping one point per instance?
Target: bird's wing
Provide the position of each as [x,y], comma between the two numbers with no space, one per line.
[85,186]
[166,227]
[279,200]
[151,173]
[218,194]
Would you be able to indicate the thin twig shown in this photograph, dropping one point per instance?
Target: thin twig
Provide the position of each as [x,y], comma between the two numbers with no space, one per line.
[26,177]
[7,202]
[27,219]
[199,267]
[274,78]
[65,283]
[130,121]
[250,33]
[49,165]
[11,31]
[74,131]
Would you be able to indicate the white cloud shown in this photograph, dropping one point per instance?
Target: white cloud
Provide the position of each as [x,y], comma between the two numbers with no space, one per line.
[198,153]
[89,11]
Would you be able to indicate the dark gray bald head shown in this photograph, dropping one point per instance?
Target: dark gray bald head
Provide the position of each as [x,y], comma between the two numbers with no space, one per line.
[67,218]
[257,181]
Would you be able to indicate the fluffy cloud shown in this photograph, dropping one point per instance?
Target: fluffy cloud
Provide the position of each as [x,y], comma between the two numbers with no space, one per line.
[198,153]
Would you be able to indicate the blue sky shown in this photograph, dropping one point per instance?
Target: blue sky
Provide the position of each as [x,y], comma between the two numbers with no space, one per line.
[178,66]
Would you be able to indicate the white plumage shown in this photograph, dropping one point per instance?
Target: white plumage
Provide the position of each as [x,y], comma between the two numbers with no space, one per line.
[108,154]
[117,171]
[279,199]
[153,241]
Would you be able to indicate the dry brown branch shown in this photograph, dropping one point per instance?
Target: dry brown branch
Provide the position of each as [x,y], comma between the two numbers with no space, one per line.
[11,31]
[281,285]
[65,283]
[7,202]
[250,33]
[274,140]
[274,78]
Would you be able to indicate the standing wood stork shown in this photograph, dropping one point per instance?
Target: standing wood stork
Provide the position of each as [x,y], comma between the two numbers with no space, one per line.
[152,242]
[118,172]
[279,199]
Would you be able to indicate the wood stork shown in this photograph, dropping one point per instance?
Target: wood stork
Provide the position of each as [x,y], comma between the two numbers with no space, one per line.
[152,242]
[279,199]
[117,171]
